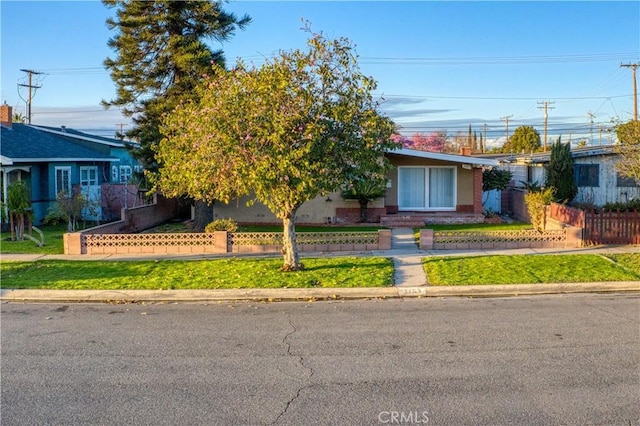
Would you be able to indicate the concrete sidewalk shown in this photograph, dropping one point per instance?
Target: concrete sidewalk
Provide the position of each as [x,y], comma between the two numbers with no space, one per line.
[409,278]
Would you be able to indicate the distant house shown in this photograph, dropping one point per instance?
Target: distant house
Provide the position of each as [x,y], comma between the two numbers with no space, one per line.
[52,160]
[594,172]
[422,186]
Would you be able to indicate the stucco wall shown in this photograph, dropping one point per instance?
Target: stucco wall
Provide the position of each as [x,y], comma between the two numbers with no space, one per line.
[318,210]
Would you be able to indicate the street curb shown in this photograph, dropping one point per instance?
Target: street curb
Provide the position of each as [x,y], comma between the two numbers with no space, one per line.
[291,294]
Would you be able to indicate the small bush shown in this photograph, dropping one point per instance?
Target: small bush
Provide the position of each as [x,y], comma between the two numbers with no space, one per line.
[536,203]
[629,205]
[54,217]
[228,225]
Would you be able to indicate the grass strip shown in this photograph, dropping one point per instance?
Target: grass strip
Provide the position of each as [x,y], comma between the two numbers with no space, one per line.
[200,274]
[530,269]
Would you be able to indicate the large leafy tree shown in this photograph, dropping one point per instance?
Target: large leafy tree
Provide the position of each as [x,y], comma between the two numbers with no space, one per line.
[161,55]
[524,139]
[560,172]
[300,126]
[629,149]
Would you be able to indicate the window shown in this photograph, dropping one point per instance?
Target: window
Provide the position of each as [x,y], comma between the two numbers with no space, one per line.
[114,174]
[587,175]
[426,188]
[88,176]
[63,180]
[125,174]
[626,182]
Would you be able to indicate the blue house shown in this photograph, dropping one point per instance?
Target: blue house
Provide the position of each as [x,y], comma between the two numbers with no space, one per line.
[52,160]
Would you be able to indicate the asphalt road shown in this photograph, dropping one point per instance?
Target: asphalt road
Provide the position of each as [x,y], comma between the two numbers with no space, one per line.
[545,360]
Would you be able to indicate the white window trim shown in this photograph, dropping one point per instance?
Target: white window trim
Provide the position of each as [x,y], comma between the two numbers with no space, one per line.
[69,188]
[123,172]
[115,176]
[88,169]
[426,187]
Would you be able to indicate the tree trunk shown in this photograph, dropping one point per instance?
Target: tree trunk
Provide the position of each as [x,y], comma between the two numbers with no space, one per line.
[289,246]
[363,210]
[11,225]
[202,216]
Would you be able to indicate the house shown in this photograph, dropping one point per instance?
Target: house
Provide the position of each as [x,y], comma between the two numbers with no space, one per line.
[422,186]
[52,160]
[595,174]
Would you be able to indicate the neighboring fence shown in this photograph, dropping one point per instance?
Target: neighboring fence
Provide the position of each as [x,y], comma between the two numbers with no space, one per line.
[470,240]
[613,227]
[227,242]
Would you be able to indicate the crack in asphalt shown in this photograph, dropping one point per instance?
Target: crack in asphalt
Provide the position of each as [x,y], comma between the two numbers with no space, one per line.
[301,362]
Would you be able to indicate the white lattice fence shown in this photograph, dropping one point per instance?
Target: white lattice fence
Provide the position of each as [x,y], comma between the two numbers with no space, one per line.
[306,241]
[526,235]
[149,243]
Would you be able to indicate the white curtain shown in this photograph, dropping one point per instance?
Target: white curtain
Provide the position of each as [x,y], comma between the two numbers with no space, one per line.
[412,188]
[441,181]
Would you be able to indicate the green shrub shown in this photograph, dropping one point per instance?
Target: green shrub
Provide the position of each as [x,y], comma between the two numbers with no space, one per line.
[228,225]
[54,217]
[536,206]
[629,205]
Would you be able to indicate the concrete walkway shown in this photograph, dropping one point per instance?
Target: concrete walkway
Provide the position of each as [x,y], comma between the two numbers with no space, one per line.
[409,278]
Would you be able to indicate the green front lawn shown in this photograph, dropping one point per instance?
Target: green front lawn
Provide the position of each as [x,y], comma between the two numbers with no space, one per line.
[531,269]
[206,274]
[52,237]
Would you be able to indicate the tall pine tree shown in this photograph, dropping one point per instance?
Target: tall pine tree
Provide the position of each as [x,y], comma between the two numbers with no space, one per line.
[161,55]
[560,172]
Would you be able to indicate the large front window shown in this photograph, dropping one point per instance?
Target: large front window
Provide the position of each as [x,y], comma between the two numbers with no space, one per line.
[426,188]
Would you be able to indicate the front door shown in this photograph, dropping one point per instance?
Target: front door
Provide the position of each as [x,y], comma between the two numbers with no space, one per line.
[92,193]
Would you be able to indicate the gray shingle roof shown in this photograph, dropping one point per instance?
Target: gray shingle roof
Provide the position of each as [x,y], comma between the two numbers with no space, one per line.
[22,142]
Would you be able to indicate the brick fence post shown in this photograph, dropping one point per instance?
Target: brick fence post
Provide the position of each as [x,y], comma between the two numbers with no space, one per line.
[574,237]
[72,242]
[426,239]
[384,239]
[220,242]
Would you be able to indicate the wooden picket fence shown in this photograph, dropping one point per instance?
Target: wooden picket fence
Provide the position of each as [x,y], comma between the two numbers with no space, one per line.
[614,227]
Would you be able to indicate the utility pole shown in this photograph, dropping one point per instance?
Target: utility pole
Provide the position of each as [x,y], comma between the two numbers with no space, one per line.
[506,120]
[591,116]
[484,142]
[121,134]
[600,136]
[546,107]
[30,86]
[635,88]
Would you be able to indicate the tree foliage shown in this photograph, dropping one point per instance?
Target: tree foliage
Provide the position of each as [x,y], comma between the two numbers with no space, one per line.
[433,142]
[19,206]
[365,189]
[495,179]
[560,172]
[524,139]
[161,56]
[301,125]
[629,149]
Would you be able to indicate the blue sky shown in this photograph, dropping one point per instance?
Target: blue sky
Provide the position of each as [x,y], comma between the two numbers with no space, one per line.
[439,65]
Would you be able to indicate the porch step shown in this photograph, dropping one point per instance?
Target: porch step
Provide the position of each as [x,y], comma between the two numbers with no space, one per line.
[402,221]
[414,220]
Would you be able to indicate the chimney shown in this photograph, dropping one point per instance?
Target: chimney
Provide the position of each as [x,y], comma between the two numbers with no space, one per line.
[6,115]
[465,150]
